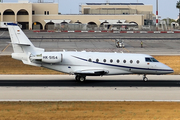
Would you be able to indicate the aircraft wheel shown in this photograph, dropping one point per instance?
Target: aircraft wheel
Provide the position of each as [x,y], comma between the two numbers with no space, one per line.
[82,79]
[145,79]
[77,78]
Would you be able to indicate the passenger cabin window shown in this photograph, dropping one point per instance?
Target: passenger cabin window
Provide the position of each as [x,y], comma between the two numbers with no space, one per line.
[97,60]
[111,60]
[124,61]
[47,12]
[104,60]
[90,60]
[44,12]
[150,59]
[118,61]
[137,61]
[131,61]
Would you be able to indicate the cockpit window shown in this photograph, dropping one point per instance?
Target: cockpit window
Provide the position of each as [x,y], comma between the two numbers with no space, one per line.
[154,60]
[150,60]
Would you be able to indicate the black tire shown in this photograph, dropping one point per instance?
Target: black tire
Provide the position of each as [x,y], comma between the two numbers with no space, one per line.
[82,79]
[77,78]
[145,79]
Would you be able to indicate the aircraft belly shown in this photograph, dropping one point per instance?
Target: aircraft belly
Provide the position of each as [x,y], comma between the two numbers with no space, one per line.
[71,69]
[60,68]
[146,71]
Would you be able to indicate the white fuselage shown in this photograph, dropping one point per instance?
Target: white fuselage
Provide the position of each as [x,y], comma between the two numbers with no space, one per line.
[114,63]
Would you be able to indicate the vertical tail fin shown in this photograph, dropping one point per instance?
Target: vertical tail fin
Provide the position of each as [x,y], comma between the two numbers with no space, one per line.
[22,46]
[20,42]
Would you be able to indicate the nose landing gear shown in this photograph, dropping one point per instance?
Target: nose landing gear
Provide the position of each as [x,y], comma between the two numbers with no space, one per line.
[145,78]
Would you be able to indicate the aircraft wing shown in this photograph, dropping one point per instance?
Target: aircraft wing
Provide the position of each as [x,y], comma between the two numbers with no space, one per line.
[92,72]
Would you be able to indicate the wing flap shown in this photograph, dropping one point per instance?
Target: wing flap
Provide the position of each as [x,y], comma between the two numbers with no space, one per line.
[92,72]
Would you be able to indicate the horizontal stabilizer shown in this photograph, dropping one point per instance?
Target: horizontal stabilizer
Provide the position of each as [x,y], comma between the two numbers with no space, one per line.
[21,44]
[24,44]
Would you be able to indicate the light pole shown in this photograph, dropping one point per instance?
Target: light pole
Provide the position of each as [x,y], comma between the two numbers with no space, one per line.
[178,6]
[157,15]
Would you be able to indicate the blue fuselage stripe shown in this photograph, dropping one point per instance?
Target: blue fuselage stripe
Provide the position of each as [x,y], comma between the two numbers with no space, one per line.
[123,66]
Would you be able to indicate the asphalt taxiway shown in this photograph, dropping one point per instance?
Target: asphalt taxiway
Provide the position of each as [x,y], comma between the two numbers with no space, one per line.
[109,88]
[151,47]
[99,42]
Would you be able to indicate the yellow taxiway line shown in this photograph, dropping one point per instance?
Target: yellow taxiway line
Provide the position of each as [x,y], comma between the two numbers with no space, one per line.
[126,49]
[6,47]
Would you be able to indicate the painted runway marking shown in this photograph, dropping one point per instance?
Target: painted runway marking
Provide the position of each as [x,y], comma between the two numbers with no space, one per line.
[126,49]
[6,47]
[2,33]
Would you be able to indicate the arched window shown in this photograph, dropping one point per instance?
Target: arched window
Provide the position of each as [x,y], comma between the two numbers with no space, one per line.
[9,15]
[37,26]
[92,25]
[8,12]
[22,12]
[49,26]
[78,22]
[103,23]
[64,23]
[134,23]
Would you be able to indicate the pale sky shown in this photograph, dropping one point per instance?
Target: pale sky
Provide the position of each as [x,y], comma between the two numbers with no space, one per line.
[167,8]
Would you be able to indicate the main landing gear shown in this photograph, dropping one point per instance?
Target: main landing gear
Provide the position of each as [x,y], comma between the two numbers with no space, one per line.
[145,78]
[80,78]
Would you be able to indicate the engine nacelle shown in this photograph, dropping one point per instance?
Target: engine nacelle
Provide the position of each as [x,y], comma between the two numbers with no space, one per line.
[50,57]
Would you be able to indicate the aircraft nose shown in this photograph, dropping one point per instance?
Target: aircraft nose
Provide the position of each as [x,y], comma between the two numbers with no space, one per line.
[169,70]
[165,69]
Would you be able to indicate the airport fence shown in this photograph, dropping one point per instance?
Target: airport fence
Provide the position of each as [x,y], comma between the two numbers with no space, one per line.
[116,27]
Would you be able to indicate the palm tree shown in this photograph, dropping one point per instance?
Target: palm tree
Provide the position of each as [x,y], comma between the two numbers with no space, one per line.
[178,6]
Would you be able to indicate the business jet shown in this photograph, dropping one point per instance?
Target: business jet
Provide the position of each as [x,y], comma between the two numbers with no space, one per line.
[82,64]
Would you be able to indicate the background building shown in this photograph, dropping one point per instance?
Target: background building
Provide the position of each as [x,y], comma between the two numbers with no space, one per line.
[130,12]
[45,15]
